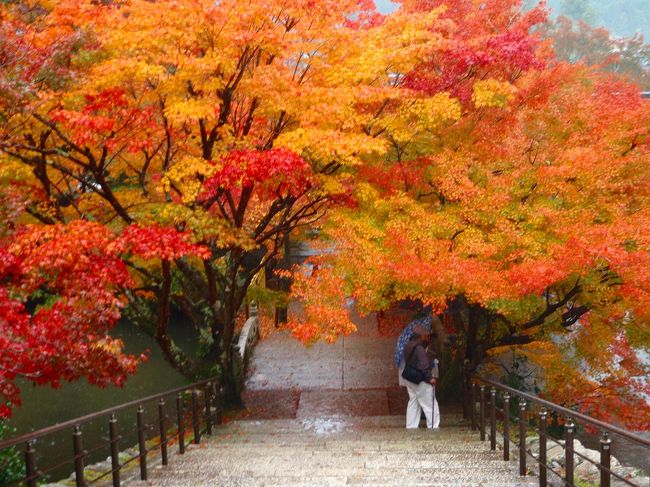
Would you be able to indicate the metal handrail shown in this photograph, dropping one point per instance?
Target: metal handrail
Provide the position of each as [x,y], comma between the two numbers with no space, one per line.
[206,412]
[568,412]
[89,417]
[472,394]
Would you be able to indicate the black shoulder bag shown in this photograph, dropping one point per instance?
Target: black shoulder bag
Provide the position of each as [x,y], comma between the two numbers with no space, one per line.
[410,373]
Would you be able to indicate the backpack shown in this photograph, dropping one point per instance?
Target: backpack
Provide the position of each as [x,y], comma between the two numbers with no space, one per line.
[410,373]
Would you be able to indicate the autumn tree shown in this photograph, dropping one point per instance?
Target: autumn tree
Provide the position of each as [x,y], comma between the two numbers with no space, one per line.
[514,196]
[63,288]
[221,126]
[579,42]
[165,150]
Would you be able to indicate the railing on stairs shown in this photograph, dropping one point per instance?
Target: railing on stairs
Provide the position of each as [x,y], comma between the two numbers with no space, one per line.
[485,400]
[243,347]
[196,412]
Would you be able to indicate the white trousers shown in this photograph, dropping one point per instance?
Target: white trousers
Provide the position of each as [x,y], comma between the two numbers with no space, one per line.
[422,398]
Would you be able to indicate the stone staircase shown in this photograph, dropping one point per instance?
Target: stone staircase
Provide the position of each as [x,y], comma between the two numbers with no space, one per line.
[337,451]
[344,426]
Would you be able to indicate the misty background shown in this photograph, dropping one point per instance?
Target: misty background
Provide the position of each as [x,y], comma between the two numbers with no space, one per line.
[623,18]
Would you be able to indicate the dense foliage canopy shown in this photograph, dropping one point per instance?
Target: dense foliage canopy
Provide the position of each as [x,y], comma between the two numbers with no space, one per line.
[161,152]
[518,204]
[155,156]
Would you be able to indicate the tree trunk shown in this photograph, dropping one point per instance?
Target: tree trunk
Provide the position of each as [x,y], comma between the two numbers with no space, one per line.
[173,355]
[473,325]
[231,388]
[233,295]
[216,326]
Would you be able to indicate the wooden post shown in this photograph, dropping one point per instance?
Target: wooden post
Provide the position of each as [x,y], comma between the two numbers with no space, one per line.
[522,437]
[605,460]
[181,426]
[542,448]
[77,445]
[195,417]
[30,465]
[568,445]
[208,411]
[506,427]
[115,450]
[163,431]
[472,405]
[142,445]
[493,419]
[482,412]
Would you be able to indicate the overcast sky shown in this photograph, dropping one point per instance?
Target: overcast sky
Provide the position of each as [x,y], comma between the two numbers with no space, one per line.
[385,6]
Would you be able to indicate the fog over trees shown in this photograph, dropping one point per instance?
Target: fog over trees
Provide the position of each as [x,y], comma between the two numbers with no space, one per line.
[624,48]
[622,18]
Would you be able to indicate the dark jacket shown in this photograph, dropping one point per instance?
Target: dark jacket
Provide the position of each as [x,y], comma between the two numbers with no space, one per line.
[419,360]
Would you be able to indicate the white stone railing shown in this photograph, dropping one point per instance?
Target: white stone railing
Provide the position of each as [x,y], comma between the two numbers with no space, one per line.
[243,349]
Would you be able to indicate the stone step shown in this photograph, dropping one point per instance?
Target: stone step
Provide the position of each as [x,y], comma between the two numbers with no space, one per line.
[344,447]
[431,445]
[345,439]
[387,433]
[331,430]
[336,451]
[254,468]
[371,460]
[304,480]
[324,428]
[333,423]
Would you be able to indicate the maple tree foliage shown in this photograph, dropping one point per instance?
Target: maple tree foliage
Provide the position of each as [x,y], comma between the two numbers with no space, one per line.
[203,133]
[521,207]
[457,162]
[322,292]
[61,291]
[579,42]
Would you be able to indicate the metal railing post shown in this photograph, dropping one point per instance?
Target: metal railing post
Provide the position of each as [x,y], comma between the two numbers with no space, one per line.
[30,465]
[163,431]
[115,450]
[466,383]
[493,419]
[529,405]
[482,412]
[506,426]
[208,411]
[142,445]
[36,467]
[522,436]
[78,449]
[181,426]
[605,459]
[218,398]
[542,448]
[568,445]
[473,404]
[195,418]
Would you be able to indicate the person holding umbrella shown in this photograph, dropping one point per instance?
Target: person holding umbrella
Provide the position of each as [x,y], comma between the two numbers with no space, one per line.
[416,374]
